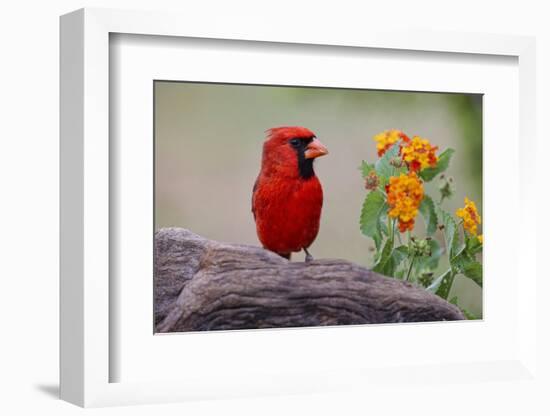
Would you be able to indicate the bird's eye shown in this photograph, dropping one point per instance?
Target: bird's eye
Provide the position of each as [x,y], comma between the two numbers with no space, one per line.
[295,142]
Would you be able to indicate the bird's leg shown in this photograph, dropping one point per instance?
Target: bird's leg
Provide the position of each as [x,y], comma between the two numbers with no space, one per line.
[309,257]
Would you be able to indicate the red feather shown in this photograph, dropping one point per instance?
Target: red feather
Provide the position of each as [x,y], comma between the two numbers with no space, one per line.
[286,204]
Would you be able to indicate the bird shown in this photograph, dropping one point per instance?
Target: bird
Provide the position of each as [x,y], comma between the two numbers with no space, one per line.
[287,196]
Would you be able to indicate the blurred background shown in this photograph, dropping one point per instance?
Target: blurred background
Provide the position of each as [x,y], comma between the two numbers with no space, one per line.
[208,146]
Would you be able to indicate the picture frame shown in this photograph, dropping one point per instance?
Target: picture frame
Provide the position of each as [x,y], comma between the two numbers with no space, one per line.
[88,304]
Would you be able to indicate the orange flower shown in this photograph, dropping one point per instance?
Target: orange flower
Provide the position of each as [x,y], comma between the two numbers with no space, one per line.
[419,154]
[405,192]
[470,216]
[387,139]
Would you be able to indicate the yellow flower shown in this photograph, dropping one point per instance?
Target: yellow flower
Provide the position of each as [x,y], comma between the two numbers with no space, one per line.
[405,192]
[419,154]
[387,139]
[480,238]
[470,216]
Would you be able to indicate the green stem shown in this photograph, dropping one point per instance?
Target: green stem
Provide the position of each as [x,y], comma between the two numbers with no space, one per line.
[391,225]
[461,223]
[410,268]
[449,286]
[445,248]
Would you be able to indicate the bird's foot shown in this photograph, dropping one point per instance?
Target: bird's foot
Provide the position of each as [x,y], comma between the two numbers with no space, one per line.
[309,257]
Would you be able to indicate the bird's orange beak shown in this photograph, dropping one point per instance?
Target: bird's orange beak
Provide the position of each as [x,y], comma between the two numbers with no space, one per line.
[315,149]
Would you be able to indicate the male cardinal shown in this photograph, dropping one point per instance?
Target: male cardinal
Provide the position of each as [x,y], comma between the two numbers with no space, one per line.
[287,197]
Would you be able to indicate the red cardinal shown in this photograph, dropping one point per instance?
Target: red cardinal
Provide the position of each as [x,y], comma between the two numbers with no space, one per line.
[287,197]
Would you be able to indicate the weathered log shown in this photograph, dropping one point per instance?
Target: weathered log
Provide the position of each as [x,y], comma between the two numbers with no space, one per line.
[202,284]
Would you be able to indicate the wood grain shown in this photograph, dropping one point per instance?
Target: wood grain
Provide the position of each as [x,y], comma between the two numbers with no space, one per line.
[202,284]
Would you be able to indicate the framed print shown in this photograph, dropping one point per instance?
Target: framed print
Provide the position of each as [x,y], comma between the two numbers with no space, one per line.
[235,225]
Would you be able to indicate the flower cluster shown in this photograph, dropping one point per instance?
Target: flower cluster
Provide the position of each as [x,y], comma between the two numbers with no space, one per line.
[420,247]
[405,192]
[470,217]
[396,197]
[419,154]
[387,139]
[372,181]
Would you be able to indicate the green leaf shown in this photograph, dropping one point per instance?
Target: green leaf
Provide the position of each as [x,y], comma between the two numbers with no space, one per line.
[442,164]
[473,245]
[366,168]
[427,209]
[383,167]
[437,282]
[390,259]
[383,223]
[474,271]
[399,254]
[377,238]
[374,206]
[451,232]
[442,285]
[445,286]
[385,264]
[459,262]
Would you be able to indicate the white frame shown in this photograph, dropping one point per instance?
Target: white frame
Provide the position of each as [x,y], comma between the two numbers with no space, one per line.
[85,186]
